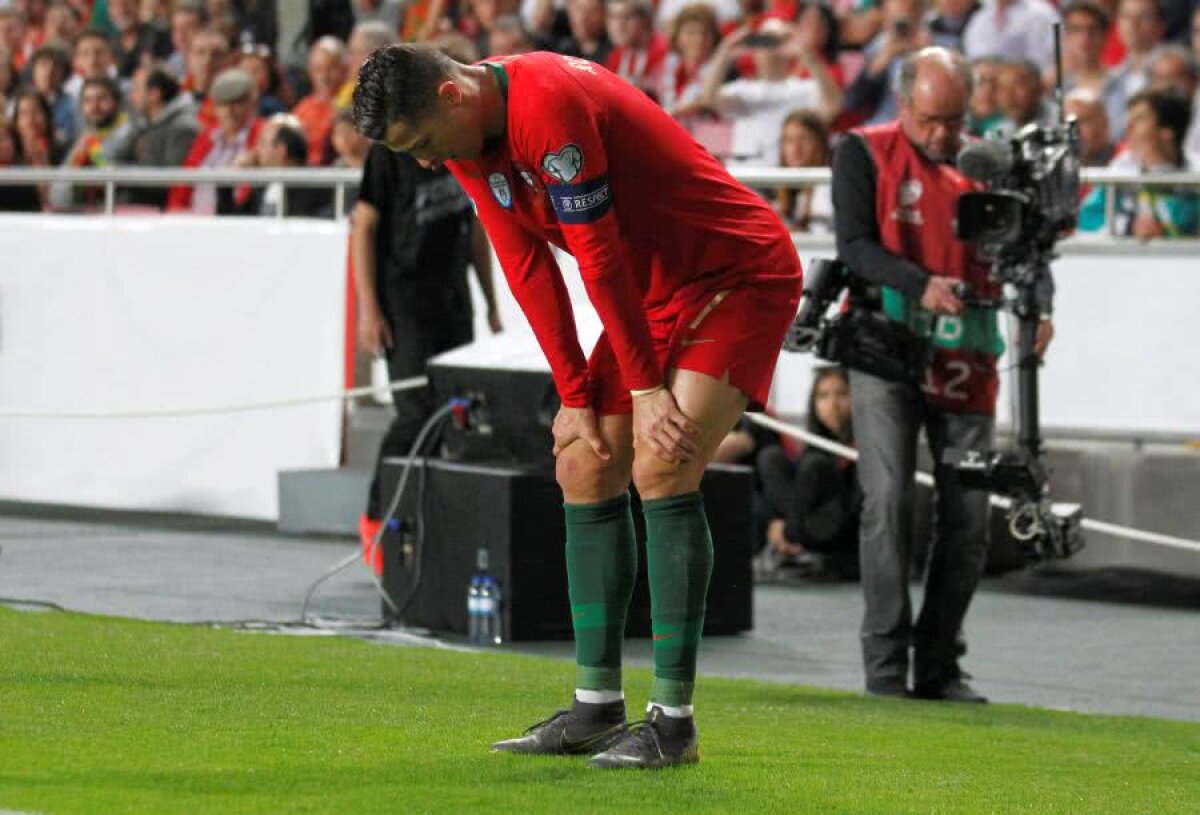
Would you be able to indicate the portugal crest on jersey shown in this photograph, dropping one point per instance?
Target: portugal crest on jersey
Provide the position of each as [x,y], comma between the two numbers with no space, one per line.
[500,189]
[563,165]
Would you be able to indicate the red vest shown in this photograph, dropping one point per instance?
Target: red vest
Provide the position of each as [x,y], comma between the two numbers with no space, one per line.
[915,202]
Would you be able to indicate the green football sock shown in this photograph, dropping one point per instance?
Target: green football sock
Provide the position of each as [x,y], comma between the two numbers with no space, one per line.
[601,567]
[679,556]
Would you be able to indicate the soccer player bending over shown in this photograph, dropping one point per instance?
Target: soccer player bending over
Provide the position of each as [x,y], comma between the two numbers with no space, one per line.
[695,280]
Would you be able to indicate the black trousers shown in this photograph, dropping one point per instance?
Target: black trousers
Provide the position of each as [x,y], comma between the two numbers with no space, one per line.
[427,318]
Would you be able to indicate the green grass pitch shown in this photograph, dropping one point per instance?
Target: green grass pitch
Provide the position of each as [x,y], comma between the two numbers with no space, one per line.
[101,715]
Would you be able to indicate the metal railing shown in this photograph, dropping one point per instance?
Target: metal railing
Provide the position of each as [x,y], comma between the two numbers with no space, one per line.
[770,177]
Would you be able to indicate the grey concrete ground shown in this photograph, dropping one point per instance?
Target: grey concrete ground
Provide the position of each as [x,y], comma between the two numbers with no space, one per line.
[1028,644]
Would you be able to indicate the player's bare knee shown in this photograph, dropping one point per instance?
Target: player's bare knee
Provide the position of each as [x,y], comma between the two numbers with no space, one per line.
[655,478]
[585,477]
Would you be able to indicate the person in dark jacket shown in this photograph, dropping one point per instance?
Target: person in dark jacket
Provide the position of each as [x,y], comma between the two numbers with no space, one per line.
[164,132]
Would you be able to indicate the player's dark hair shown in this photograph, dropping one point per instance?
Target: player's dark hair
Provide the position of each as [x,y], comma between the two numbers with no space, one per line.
[397,82]
[1171,109]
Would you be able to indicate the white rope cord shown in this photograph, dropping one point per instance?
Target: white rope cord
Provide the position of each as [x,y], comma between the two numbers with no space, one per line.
[147,413]
[1103,527]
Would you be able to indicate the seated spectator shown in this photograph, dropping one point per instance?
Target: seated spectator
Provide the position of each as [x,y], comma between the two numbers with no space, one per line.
[694,37]
[1022,100]
[206,59]
[757,107]
[1141,26]
[188,17]
[817,32]
[10,80]
[235,108]
[1157,122]
[638,50]
[947,21]
[49,68]
[872,95]
[509,36]
[15,198]
[326,71]
[1084,27]
[1012,29]
[367,37]
[814,503]
[257,61]
[1096,147]
[859,22]
[484,13]
[33,133]
[589,37]
[805,143]
[12,36]
[286,147]
[163,134]
[91,59]
[105,128]
[62,24]
[136,43]
[1174,66]
[983,108]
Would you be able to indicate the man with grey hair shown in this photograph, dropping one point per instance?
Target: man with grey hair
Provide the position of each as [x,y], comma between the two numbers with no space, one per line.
[895,192]
[1174,66]
[366,38]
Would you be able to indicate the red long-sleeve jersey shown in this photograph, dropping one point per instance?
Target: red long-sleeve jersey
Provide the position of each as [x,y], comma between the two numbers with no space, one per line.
[593,166]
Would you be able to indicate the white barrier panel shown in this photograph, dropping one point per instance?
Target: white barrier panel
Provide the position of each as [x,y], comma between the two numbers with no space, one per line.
[101,313]
[1122,358]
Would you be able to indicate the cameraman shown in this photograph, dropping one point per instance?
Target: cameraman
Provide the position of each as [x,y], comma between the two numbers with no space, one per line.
[895,191]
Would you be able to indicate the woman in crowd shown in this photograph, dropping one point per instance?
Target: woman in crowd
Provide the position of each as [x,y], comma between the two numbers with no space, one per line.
[33,131]
[814,501]
[14,198]
[804,142]
[694,37]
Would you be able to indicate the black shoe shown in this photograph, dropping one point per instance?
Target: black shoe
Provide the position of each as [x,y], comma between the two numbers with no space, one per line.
[954,690]
[659,741]
[893,687]
[570,732]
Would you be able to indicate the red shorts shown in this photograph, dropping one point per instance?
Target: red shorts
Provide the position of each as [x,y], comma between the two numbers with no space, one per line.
[736,332]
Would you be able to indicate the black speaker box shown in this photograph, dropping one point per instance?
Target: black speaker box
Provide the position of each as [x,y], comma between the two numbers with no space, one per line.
[451,510]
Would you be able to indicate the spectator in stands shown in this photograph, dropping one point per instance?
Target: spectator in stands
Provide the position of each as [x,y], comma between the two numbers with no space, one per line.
[10,81]
[860,22]
[188,17]
[872,94]
[589,37]
[638,51]
[1158,119]
[694,38]
[1096,146]
[757,107]
[1141,27]
[14,198]
[50,66]
[235,108]
[62,24]
[326,72]
[484,14]
[92,59]
[817,31]
[33,132]
[1174,66]
[285,147]
[386,13]
[163,134]
[1013,29]
[257,61]
[349,145]
[947,21]
[814,502]
[366,38]
[206,59]
[105,128]
[804,142]
[1021,96]
[12,36]
[983,108]
[509,36]
[136,43]
[1085,26]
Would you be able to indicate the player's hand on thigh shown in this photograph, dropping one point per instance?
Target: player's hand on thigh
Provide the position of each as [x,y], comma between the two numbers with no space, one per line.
[661,426]
[574,424]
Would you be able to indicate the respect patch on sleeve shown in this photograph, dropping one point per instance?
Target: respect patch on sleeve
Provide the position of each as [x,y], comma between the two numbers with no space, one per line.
[582,203]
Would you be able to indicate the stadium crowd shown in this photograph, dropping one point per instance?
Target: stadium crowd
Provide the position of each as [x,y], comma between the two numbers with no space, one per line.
[760,83]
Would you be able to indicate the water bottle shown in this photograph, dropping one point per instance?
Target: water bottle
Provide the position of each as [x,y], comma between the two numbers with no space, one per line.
[493,633]
[474,606]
